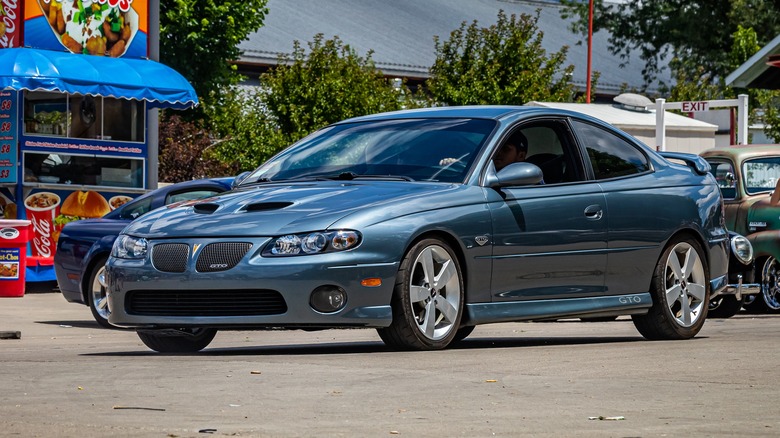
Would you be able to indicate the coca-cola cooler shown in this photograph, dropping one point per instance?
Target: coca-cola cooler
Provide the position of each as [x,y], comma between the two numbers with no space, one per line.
[14,235]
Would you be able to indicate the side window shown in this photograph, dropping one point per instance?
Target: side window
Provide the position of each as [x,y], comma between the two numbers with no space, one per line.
[136,209]
[610,156]
[545,143]
[188,196]
[723,171]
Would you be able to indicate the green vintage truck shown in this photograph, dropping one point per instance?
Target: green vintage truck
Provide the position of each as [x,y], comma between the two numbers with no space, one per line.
[749,178]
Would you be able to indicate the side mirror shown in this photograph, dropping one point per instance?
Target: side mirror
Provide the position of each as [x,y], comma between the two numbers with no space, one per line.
[241,176]
[515,174]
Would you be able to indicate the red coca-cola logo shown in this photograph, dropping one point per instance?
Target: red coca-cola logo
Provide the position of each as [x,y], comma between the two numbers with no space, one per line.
[10,19]
[42,240]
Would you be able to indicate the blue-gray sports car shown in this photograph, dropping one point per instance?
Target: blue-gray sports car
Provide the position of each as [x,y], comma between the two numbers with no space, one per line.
[83,246]
[415,223]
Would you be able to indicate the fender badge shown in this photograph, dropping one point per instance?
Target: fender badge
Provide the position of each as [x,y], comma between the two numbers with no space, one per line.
[481,240]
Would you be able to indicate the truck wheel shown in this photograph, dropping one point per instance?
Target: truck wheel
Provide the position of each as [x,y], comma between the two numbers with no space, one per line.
[681,290]
[770,285]
[724,306]
[177,340]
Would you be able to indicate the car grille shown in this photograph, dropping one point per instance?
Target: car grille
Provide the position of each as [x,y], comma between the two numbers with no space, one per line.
[215,257]
[221,256]
[242,302]
[170,257]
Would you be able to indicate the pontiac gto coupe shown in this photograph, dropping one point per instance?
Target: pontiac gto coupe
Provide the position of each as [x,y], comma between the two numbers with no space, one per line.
[400,222]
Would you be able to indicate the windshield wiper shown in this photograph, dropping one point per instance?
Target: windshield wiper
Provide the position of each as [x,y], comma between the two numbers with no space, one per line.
[348,176]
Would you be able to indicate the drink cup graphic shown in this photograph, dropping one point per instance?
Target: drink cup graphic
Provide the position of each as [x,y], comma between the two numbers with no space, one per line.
[42,208]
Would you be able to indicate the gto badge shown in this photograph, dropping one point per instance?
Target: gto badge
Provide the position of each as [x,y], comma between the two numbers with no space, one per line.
[481,240]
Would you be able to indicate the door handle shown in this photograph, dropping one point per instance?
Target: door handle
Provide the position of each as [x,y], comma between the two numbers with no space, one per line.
[594,212]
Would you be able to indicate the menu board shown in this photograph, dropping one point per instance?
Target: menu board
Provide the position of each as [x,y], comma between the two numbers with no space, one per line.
[8,133]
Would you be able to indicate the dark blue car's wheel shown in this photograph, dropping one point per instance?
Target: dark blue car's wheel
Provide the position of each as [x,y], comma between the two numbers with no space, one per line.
[681,293]
[177,341]
[96,294]
[428,299]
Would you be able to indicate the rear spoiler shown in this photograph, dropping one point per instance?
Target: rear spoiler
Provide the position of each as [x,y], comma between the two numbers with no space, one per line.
[695,162]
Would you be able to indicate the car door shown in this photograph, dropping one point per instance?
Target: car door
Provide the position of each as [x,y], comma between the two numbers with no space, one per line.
[633,198]
[550,239]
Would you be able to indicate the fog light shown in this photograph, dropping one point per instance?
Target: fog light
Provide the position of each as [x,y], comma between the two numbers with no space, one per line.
[328,299]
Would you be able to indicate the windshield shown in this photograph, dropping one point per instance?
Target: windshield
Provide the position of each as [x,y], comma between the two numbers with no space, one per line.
[418,149]
[761,174]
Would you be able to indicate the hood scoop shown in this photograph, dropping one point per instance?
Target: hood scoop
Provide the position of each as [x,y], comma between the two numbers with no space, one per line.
[206,208]
[266,206]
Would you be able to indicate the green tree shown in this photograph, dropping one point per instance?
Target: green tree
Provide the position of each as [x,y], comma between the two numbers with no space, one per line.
[305,92]
[199,38]
[698,33]
[500,64]
[184,152]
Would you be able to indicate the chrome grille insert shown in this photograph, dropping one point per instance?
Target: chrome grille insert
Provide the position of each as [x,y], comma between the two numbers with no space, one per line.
[221,256]
[170,257]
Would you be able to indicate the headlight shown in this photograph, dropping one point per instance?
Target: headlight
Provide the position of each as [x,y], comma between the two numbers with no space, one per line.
[316,242]
[129,247]
[742,249]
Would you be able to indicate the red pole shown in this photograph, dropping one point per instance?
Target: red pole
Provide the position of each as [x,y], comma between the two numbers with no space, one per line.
[590,50]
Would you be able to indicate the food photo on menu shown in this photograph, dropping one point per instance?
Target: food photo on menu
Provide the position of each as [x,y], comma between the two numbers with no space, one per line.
[90,26]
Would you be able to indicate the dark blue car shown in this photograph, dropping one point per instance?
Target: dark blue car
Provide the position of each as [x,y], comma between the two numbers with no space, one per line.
[83,246]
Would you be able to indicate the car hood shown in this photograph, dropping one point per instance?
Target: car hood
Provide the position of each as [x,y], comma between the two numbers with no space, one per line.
[275,209]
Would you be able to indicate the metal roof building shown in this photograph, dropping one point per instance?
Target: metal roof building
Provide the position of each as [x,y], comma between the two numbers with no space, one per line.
[400,33]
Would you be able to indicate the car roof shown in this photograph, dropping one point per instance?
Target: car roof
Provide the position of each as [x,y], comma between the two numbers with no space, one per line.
[494,112]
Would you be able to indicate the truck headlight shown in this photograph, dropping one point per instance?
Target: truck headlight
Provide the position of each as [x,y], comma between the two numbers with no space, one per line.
[742,249]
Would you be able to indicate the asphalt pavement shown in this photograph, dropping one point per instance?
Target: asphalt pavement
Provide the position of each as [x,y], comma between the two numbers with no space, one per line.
[66,377]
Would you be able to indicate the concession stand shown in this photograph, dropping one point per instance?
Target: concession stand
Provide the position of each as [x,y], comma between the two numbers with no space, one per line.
[78,112]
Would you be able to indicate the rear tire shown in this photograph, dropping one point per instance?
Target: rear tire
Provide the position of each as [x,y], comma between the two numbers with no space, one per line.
[427,300]
[681,293]
[186,341]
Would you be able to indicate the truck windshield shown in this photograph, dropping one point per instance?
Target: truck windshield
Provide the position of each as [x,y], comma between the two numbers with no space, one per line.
[761,174]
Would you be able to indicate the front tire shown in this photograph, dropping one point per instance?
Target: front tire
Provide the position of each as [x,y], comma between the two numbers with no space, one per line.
[97,297]
[681,293]
[177,341]
[769,298]
[427,299]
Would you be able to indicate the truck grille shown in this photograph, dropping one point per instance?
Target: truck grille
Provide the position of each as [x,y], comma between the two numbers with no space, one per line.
[242,302]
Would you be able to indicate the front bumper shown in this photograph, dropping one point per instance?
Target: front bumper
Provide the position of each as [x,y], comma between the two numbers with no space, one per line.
[740,288]
[141,296]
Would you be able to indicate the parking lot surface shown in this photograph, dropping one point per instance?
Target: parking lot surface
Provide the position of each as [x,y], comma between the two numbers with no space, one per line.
[64,376]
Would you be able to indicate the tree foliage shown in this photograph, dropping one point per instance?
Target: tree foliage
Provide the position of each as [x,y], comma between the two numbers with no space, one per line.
[698,33]
[199,38]
[305,92]
[184,153]
[504,63]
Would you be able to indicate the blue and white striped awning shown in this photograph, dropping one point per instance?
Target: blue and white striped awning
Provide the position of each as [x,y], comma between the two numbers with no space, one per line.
[140,79]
